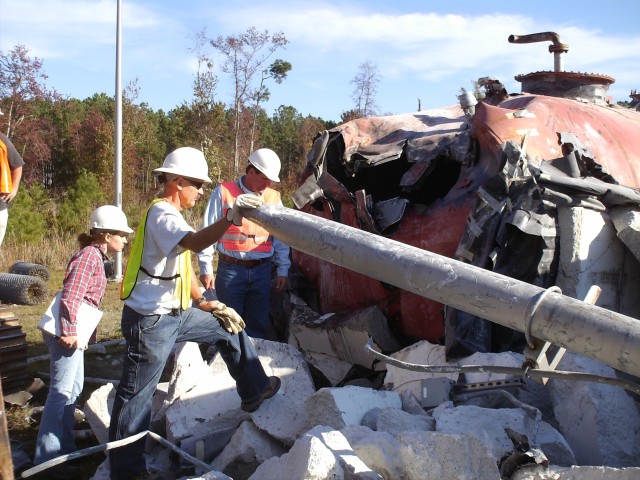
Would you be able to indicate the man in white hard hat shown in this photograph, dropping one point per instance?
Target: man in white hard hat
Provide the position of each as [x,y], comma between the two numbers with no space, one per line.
[159,290]
[10,175]
[246,252]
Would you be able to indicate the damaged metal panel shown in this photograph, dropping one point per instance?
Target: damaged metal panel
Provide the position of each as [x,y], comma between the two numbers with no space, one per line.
[480,186]
[400,194]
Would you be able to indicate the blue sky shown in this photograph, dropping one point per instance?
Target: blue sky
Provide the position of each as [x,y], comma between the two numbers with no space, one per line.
[423,50]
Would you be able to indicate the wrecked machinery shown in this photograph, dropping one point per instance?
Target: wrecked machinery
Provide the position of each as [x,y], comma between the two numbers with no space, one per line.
[540,187]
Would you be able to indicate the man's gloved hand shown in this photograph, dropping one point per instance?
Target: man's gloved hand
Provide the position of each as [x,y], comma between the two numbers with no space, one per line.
[229,319]
[246,200]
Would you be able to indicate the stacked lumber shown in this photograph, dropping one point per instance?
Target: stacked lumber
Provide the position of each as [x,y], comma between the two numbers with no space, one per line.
[13,352]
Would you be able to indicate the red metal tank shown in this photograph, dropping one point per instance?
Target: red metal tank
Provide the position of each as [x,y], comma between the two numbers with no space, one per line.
[416,177]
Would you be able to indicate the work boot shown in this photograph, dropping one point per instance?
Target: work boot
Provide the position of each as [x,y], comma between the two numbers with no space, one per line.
[270,391]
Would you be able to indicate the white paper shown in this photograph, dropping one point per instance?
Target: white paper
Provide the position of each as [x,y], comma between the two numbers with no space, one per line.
[87,320]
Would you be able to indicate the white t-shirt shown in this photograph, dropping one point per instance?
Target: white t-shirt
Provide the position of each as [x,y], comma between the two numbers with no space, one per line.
[165,228]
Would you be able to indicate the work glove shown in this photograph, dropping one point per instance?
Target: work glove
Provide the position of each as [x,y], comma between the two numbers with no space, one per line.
[229,319]
[246,200]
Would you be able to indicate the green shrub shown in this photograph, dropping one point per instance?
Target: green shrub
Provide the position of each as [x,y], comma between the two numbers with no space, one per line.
[29,215]
[81,199]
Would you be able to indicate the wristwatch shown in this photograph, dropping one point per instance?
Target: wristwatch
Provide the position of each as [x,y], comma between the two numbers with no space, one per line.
[199,300]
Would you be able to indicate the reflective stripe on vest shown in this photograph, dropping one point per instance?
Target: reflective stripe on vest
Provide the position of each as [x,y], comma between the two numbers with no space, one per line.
[250,237]
[134,266]
[6,182]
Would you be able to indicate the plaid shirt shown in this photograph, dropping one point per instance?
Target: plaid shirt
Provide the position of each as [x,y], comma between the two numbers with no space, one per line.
[85,281]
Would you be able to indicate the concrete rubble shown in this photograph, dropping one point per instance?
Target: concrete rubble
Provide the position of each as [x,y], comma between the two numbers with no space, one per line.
[565,429]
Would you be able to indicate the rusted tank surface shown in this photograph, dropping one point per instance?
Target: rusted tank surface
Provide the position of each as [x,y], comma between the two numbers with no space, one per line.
[454,180]
[609,133]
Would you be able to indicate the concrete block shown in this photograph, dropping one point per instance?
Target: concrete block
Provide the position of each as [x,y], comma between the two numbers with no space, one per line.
[395,421]
[333,368]
[344,336]
[425,353]
[554,446]
[554,472]
[378,450]
[592,254]
[339,407]
[600,422]
[247,448]
[97,411]
[320,453]
[284,416]
[626,221]
[309,458]
[487,424]
[446,456]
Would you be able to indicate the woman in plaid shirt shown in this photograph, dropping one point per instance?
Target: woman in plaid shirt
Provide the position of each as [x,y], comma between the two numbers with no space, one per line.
[85,281]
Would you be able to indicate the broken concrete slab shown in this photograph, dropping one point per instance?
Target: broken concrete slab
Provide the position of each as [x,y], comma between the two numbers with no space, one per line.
[339,407]
[426,353]
[286,362]
[626,221]
[395,421]
[248,448]
[380,451]
[97,410]
[600,422]
[592,253]
[555,446]
[446,456]
[320,453]
[488,424]
[537,472]
[331,367]
[212,404]
[344,336]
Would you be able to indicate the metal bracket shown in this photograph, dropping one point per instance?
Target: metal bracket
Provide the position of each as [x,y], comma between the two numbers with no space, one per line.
[547,356]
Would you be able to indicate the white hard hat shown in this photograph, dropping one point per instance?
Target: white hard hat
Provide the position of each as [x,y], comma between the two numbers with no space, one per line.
[268,162]
[109,217]
[186,162]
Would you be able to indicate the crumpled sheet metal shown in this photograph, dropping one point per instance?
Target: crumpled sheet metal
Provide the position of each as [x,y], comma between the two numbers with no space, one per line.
[609,133]
[423,135]
[413,147]
[346,151]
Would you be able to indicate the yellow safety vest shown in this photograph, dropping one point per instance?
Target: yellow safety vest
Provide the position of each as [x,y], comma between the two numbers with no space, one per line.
[134,266]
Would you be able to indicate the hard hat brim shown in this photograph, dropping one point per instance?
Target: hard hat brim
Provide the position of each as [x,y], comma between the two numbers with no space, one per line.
[172,170]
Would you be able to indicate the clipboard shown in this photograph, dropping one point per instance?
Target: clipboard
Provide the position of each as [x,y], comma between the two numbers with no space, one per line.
[88,318]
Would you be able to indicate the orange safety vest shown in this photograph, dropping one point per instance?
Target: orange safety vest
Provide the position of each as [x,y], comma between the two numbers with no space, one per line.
[5,170]
[250,237]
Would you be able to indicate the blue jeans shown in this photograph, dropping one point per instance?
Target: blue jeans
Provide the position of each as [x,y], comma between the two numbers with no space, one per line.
[246,290]
[55,436]
[150,339]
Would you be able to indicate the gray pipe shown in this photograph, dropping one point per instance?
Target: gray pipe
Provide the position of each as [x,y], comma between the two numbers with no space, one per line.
[595,332]
[557,47]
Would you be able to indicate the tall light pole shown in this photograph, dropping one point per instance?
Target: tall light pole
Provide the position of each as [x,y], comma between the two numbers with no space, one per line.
[118,135]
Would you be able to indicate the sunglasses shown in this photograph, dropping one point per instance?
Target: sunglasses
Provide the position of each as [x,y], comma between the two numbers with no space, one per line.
[198,185]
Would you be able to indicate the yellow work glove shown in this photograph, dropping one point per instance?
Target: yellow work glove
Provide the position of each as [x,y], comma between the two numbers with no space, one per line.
[246,200]
[229,319]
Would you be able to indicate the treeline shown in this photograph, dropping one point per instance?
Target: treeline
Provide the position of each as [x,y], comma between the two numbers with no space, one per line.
[69,149]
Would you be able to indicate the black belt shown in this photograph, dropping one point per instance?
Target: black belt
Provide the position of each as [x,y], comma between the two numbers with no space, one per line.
[243,263]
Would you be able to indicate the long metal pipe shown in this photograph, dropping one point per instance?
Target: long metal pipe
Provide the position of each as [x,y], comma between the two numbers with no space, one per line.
[595,332]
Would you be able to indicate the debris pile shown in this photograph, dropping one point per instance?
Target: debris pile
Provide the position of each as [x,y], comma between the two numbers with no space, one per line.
[367,428]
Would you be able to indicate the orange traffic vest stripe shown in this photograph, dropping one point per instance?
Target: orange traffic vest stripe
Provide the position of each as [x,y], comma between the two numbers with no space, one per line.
[6,184]
[250,237]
